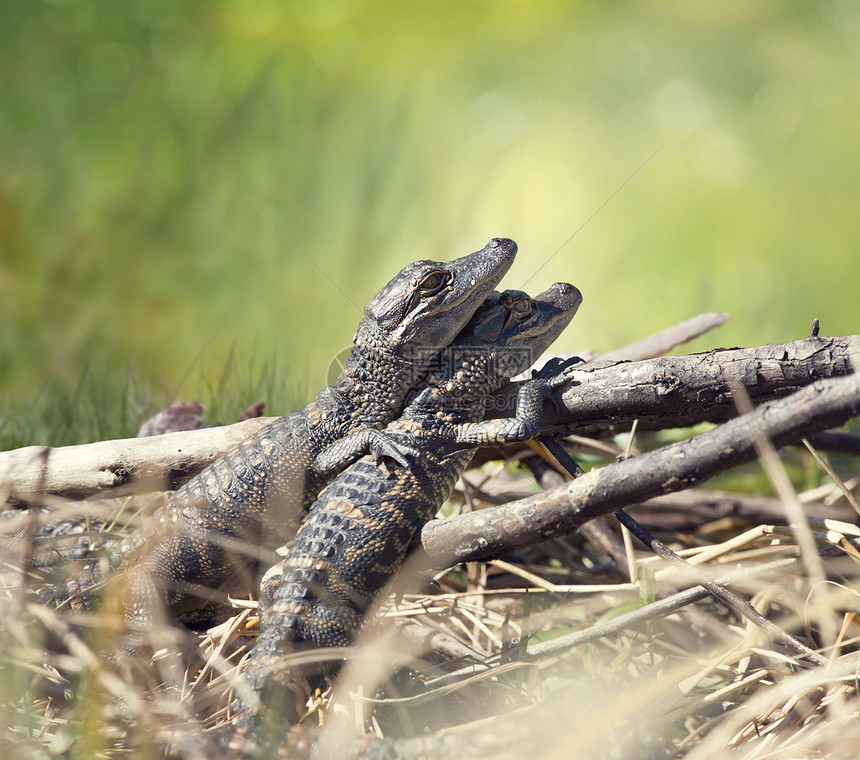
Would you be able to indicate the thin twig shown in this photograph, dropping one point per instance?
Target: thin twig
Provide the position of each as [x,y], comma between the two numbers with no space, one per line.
[664,341]
[823,464]
[741,606]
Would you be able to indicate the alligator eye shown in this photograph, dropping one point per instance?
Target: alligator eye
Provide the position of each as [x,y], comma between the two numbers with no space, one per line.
[522,308]
[433,283]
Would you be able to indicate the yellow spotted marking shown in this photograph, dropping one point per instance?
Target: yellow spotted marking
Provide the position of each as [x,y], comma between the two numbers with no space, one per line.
[345,508]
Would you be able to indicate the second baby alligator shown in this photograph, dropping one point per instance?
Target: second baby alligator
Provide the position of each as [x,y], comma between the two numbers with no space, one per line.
[361,527]
[202,543]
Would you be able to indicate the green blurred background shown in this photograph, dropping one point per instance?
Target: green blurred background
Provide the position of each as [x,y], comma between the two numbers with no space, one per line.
[163,162]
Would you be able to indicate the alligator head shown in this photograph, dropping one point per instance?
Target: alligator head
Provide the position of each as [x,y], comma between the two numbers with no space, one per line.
[517,329]
[505,336]
[424,307]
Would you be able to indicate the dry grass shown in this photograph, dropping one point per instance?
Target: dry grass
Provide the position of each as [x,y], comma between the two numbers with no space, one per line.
[552,653]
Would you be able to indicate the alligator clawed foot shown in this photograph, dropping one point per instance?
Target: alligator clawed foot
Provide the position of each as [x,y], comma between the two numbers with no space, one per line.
[554,374]
[555,371]
[383,448]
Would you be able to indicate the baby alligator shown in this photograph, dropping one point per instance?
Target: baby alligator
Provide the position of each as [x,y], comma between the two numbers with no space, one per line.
[203,543]
[361,527]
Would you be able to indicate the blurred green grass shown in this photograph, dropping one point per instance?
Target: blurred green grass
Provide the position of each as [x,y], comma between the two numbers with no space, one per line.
[164,166]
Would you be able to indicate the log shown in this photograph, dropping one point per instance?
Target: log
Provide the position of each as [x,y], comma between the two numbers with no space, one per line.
[664,341]
[491,533]
[671,391]
[677,391]
[156,463]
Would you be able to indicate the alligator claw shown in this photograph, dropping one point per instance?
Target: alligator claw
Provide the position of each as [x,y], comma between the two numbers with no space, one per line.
[554,374]
[383,448]
[556,369]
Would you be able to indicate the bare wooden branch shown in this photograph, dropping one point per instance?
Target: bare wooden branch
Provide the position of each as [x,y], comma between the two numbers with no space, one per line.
[686,509]
[664,341]
[683,390]
[494,532]
[157,463]
[597,531]
[674,390]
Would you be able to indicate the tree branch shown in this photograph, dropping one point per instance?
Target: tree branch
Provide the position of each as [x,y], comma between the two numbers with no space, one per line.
[664,341]
[157,463]
[494,532]
[677,390]
[684,390]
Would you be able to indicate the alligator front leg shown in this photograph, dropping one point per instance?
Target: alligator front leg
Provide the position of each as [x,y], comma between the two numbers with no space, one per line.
[529,416]
[353,447]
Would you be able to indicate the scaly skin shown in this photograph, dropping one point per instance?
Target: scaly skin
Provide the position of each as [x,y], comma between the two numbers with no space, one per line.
[359,530]
[201,543]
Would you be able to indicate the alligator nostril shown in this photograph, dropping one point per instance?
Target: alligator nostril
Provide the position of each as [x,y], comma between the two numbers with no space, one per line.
[563,290]
[501,243]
